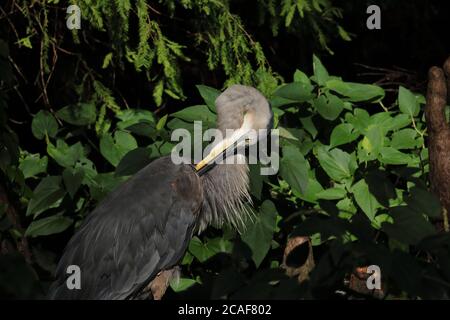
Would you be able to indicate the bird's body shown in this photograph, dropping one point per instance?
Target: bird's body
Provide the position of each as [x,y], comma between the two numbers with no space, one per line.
[123,244]
[143,228]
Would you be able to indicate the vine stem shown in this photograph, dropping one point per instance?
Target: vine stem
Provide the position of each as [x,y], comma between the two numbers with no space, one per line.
[384,108]
[445,218]
[422,134]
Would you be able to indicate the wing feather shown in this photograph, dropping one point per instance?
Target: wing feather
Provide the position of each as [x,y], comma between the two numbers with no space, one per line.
[140,229]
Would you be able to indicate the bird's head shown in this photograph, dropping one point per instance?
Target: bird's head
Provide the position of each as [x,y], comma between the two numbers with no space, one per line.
[244,116]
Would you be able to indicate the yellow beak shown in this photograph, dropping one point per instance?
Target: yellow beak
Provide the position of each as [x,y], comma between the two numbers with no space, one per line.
[222,147]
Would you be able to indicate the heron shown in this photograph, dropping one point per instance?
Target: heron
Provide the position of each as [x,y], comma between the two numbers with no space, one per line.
[140,231]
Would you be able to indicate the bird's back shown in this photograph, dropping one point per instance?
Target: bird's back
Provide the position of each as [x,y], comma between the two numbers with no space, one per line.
[141,228]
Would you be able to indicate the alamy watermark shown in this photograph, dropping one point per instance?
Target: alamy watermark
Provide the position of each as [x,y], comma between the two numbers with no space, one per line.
[374,280]
[374,20]
[249,146]
[74,279]
[73,20]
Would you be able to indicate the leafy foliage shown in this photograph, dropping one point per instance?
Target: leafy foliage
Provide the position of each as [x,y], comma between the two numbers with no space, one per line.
[339,182]
[134,34]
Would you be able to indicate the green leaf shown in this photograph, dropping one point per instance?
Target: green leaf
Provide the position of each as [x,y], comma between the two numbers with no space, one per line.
[294,168]
[405,139]
[158,91]
[309,126]
[32,164]
[380,219]
[380,186]
[161,122]
[356,92]
[277,113]
[328,106]
[196,113]
[187,259]
[294,92]
[289,15]
[360,119]
[107,60]
[300,76]
[337,164]
[343,34]
[321,75]
[144,128]
[332,194]
[89,170]
[44,123]
[373,141]
[72,180]
[256,180]
[390,155]
[346,207]
[80,114]
[64,155]
[199,250]
[104,183]
[219,244]
[113,149]
[133,161]
[47,226]
[180,124]
[47,193]
[423,201]
[204,251]
[160,148]
[285,133]
[314,188]
[365,200]
[409,226]
[407,102]
[382,119]
[277,102]
[259,235]
[209,95]
[130,117]
[342,134]
[26,42]
[182,284]
[398,122]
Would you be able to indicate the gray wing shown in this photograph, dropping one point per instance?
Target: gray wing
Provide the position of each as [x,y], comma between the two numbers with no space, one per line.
[141,228]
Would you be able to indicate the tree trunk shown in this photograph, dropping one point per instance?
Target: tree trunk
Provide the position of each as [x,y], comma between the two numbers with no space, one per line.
[439,138]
